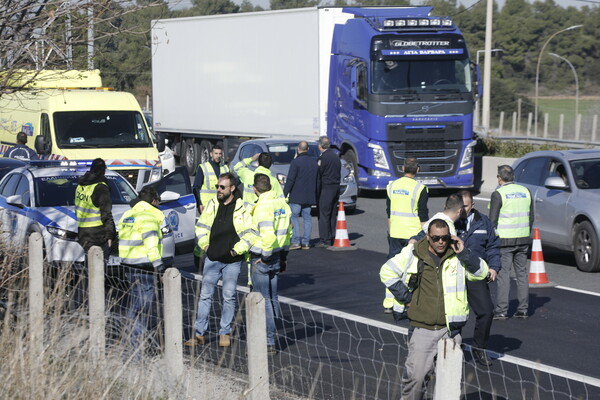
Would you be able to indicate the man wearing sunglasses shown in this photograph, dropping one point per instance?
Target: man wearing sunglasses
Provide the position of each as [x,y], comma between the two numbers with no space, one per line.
[224,233]
[431,275]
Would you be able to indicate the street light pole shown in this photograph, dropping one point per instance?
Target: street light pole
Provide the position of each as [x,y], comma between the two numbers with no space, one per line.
[477,113]
[537,73]
[487,68]
[576,82]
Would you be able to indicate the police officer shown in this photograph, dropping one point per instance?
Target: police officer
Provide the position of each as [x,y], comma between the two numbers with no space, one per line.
[329,191]
[207,177]
[511,212]
[246,176]
[140,249]
[271,220]
[21,151]
[93,208]
[406,208]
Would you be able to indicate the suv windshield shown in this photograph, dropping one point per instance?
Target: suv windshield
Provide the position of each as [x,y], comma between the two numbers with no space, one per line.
[100,129]
[52,191]
[284,153]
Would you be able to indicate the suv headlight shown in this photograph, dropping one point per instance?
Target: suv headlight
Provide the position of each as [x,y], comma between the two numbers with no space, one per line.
[281,178]
[61,233]
[467,158]
[379,156]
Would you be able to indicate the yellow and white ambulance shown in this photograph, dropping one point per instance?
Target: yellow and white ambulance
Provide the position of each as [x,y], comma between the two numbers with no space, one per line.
[71,116]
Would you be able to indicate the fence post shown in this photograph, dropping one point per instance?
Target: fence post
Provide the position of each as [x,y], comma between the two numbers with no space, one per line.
[36,298]
[258,365]
[173,315]
[514,123]
[97,303]
[577,126]
[545,125]
[594,127]
[561,125]
[519,103]
[501,124]
[529,121]
[448,370]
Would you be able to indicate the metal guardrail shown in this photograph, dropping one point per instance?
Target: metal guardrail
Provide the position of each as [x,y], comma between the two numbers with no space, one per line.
[572,143]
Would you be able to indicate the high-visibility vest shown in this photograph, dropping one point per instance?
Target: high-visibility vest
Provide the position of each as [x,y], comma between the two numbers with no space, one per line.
[271,219]
[400,268]
[88,215]
[247,180]
[242,223]
[208,190]
[404,196]
[513,221]
[140,236]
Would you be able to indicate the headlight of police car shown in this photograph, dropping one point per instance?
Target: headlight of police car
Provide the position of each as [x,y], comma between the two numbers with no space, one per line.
[61,233]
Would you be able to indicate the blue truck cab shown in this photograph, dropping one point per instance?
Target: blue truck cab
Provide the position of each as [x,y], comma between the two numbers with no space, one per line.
[402,85]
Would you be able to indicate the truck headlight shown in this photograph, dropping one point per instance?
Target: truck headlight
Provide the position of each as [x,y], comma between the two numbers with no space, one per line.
[61,233]
[467,158]
[379,156]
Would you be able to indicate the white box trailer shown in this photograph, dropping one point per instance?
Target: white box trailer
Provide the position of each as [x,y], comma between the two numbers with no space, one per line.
[224,77]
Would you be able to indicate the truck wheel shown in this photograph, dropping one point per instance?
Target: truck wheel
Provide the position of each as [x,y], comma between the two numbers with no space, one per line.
[189,156]
[204,151]
[585,247]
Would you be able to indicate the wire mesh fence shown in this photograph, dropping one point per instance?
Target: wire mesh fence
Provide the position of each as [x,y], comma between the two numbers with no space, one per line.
[323,353]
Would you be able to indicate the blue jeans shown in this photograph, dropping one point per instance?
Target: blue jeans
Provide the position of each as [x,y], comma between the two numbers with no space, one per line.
[141,303]
[264,281]
[304,210]
[213,271]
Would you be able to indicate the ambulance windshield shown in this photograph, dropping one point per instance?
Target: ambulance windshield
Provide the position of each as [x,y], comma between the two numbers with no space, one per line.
[100,129]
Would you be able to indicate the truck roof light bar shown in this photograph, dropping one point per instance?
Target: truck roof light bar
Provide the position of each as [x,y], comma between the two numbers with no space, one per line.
[415,24]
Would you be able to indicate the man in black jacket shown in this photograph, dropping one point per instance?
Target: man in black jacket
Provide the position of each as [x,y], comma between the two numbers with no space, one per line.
[329,193]
[93,207]
[301,186]
[479,235]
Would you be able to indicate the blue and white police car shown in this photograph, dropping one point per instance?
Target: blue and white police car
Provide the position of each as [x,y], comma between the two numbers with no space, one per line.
[40,197]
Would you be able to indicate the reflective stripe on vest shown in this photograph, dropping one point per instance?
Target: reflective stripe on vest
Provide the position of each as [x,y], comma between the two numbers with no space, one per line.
[404,218]
[211,179]
[88,215]
[513,221]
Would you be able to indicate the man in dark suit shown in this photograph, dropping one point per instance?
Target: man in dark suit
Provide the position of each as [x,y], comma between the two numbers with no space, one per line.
[329,193]
[301,186]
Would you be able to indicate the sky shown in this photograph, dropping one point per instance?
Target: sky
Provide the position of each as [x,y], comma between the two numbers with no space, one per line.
[180,4]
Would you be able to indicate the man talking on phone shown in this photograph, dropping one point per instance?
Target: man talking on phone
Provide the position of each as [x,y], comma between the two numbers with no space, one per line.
[431,276]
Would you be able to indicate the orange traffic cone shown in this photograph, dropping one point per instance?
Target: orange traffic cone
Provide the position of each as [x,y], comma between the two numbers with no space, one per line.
[341,241]
[537,270]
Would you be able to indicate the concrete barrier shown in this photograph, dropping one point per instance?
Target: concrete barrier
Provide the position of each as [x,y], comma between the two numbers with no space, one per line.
[489,171]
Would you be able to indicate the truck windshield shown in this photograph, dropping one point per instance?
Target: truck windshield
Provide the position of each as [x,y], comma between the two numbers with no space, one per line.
[100,129]
[420,76]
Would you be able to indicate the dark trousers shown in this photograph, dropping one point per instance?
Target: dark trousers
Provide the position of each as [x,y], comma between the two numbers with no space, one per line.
[395,246]
[480,301]
[328,201]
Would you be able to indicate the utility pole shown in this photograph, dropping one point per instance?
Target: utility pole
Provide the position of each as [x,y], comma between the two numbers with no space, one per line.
[487,68]
[90,34]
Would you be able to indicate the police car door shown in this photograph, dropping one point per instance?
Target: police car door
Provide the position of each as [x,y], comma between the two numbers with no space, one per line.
[14,203]
[180,213]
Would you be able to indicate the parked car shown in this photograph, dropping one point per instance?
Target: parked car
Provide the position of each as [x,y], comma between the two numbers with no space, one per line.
[283,152]
[565,190]
[39,197]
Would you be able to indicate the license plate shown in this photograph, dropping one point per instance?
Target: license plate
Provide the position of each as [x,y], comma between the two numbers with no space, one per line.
[427,181]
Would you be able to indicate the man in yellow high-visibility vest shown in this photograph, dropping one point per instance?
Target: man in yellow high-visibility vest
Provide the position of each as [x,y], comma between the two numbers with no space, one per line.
[511,212]
[406,208]
[207,177]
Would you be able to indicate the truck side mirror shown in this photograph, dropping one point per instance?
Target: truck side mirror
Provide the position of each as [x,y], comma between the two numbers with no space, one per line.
[41,146]
[160,142]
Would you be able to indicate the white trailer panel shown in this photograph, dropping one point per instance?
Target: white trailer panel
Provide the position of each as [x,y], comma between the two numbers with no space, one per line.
[250,74]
